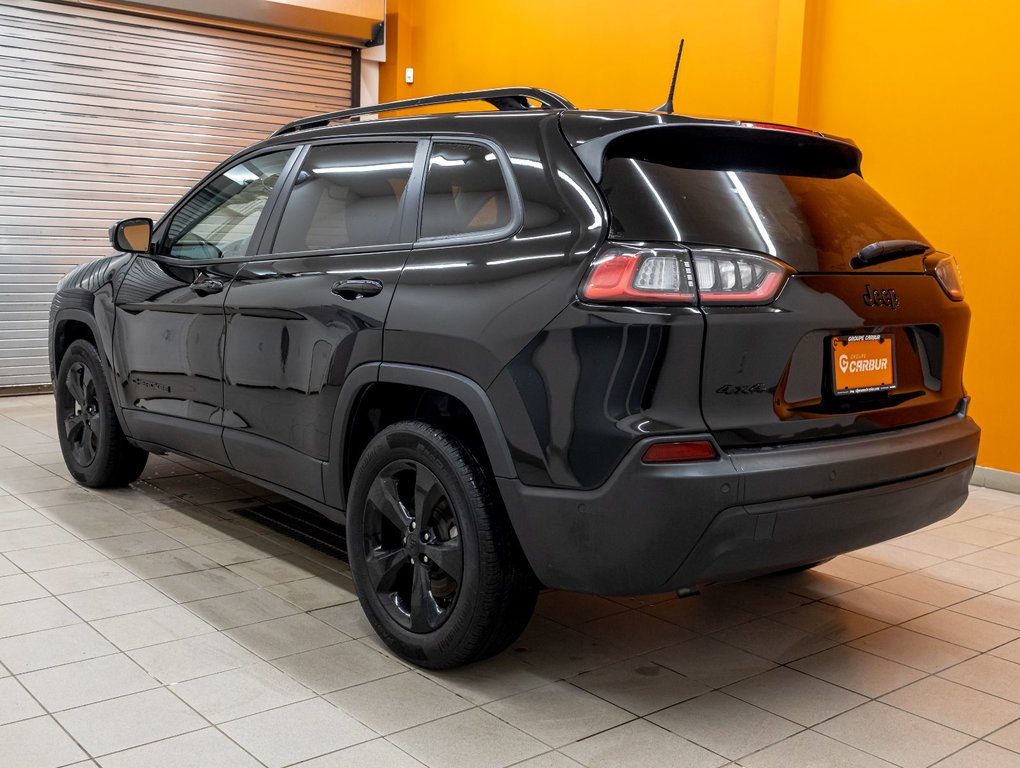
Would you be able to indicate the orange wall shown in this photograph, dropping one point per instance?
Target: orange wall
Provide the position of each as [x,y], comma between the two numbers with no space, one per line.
[927,88]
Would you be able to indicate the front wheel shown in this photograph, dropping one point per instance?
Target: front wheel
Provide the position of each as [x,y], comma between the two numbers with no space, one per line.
[95,450]
[435,562]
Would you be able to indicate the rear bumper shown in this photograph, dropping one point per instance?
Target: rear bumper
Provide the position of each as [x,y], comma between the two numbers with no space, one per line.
[653,528]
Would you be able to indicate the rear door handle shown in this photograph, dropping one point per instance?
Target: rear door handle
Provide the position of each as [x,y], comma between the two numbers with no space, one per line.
[203,286]
[357,287]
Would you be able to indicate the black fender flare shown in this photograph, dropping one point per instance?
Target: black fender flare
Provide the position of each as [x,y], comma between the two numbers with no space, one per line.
[469,392]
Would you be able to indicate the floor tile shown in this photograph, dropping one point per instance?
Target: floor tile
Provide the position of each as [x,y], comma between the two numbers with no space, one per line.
[913,649]
[37,743]
[232,551]
[78,578]
[348,618]
[19,539]
[879,729]
[104,602]
[199,585]
[277,570]
[981,755]
[491,679]
[635,631]
[808,749]
[94,520]
[130,544]
[287,636]
[241,692]
[798,697]
[880,605]
[160,625]
[558,714]
[829,621]
[50,647]
[16,703]
[566,652]
[87,682]
[989,674]
[699,614]
[570,608]
[154,565]
[926,589]
[207,748]
[966,631]
[711,662]
[398,702]
[192,657]
[777,642]
[639,685]
[639,744]
[1008,737]
[129,721]
[20,587]
[471,739]
[236,610]
[297,732]
[377,753]
[858,570]
[710,720]
[956,706]
[338,666]
[998,610]
[858,671]
[20,516]
[315,592]
[54,556]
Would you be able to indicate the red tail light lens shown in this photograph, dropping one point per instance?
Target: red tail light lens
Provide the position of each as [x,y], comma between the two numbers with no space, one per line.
[657,276]
[670,453]
[947,272]
[632,274]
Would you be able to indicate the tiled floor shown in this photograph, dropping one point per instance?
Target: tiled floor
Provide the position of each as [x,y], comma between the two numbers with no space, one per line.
[154,626]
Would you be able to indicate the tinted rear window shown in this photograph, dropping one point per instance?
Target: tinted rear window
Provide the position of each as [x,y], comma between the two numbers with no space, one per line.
[811,222]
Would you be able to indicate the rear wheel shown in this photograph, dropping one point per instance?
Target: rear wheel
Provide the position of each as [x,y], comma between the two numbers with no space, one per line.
[436,564]
[95,450]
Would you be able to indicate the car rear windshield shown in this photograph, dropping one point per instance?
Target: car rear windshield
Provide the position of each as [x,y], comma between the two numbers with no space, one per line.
[812,222]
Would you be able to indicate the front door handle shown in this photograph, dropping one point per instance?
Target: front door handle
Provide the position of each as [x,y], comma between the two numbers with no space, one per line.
[357,287]
[203,286]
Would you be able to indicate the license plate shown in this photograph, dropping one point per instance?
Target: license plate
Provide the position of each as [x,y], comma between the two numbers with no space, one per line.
[863,364]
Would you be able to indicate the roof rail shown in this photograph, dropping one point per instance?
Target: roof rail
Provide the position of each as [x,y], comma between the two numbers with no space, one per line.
[501,98]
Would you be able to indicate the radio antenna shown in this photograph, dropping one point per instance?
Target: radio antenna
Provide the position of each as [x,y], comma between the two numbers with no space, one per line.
[668,106]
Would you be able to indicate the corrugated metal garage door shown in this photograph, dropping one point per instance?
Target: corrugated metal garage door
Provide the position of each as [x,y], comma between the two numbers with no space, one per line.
[105,115]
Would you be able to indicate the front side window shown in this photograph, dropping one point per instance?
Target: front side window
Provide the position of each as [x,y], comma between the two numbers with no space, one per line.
[465,192]
[219,220]
[347,195]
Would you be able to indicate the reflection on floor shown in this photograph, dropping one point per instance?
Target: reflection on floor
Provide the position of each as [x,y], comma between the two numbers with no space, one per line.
[159,626]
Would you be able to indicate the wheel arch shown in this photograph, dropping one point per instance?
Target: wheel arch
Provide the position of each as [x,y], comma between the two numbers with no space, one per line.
[366,385]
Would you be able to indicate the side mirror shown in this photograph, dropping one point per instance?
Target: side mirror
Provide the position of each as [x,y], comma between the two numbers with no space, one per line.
[132,235]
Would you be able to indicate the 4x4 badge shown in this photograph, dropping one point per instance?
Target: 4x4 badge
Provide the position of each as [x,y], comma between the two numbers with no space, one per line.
[880,297]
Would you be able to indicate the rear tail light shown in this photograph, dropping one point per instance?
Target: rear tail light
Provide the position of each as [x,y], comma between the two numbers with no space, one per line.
[630,274]
[671,453]
[947,272]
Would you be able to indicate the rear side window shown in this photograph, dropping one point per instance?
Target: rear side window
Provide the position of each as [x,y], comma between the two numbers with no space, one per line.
[346,195]
[465,191]
[812,218]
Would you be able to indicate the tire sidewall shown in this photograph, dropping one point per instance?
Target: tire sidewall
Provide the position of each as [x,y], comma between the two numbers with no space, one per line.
[83,352]
[418,444]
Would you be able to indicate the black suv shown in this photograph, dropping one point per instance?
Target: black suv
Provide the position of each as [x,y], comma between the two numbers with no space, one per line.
[618,352]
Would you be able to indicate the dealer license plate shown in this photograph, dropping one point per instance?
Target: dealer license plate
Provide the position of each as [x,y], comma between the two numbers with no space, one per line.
[863,364]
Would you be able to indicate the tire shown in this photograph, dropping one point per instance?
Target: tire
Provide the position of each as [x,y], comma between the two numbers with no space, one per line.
[418,498]
[95,450]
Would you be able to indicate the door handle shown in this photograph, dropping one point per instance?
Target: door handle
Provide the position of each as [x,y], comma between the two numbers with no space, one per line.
[357,287]
[203,286]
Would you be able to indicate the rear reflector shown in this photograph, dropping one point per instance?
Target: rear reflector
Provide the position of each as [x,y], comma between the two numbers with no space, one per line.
[947,272]
[667,453]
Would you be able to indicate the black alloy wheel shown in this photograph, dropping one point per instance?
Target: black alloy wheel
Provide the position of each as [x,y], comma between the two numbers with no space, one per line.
[96,452]
[437,566]
[412,546]
[81,418]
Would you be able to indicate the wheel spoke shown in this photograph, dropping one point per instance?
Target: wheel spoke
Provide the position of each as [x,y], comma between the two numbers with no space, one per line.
[88,447]
[447,556]
[384,565]
[425,611]
[74,384]
[87,385]
[427,493]
[73,426]
[382,496]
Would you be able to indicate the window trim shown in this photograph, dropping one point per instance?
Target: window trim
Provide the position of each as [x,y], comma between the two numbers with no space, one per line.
[508,230]
[162,228]
[408,224]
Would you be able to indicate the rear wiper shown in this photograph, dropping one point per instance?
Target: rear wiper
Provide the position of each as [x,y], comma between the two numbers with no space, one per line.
[887,250]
